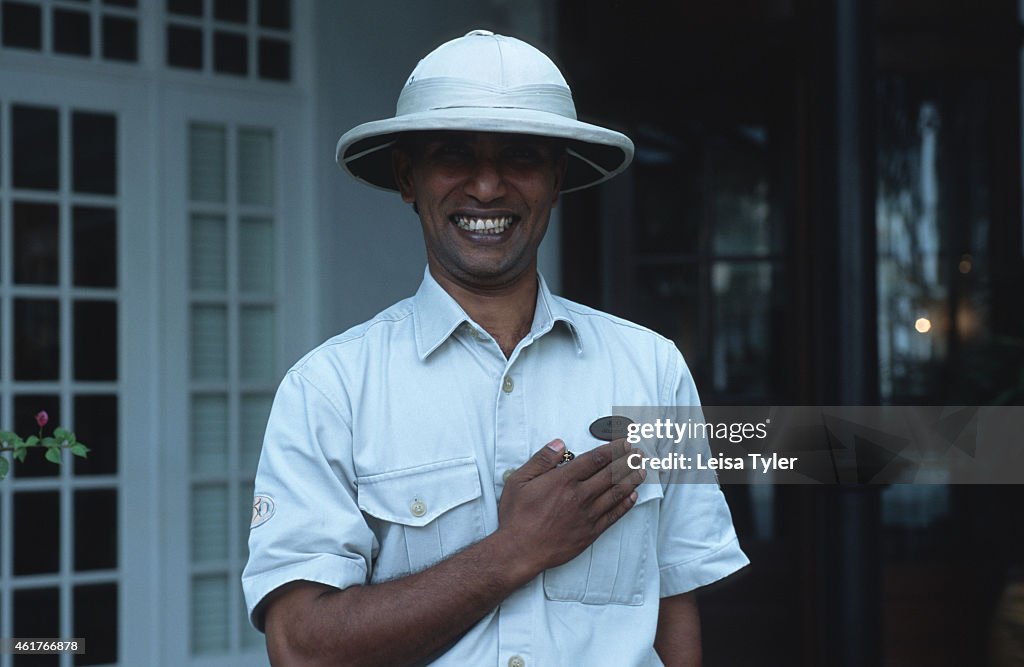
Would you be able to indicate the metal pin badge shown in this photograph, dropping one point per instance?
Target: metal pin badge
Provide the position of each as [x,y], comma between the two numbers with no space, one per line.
[610,428]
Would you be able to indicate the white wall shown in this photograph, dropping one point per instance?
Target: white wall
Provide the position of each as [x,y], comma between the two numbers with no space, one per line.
[370,246]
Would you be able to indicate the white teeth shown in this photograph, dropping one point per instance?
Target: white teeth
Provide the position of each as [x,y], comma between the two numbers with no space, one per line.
[483,225]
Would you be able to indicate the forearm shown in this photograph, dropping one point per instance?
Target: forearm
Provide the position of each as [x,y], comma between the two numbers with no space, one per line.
[396,622]
[678,638]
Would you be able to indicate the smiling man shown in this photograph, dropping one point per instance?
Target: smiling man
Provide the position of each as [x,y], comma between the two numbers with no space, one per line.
[417,499]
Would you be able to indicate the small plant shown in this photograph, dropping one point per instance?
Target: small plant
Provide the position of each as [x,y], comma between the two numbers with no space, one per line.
[53,444]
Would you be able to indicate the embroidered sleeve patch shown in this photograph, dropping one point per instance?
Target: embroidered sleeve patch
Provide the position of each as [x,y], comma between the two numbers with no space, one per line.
[262,509]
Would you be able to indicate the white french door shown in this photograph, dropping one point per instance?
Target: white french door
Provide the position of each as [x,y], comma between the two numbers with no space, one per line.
[235,285]
[77,554]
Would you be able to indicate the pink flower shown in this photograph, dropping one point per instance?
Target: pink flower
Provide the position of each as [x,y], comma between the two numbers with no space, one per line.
[42,418]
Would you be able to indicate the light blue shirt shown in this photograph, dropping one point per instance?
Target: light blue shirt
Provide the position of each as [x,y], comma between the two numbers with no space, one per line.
[386,449]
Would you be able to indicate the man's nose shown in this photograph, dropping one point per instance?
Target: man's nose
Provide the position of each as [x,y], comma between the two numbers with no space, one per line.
[485,183]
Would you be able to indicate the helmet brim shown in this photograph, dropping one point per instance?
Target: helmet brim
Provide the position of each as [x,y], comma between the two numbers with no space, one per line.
[595,153]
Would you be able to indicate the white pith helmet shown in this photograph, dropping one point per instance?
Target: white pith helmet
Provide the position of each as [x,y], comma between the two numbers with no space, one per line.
[484,82]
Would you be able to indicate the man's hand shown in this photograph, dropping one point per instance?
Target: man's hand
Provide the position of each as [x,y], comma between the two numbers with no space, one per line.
[555,512]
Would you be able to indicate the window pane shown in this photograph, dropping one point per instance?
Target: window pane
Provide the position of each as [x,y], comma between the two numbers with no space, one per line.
[95,513]
[937,223]
[36,533]
[36,244]
[209,614]
[36,339]
[256,167]
[23,25]
[236,11]
[209,252]
[255,409]
[36,147]
[256,255]
[256,339]
[209,524]
[742,326]
[95,339]
[26,407]
[668,200]
[94,246]
[209,343]
[184,47]
[71,32]
[96,426]
[186,7]
[667,299]
[275,60]
[37,614]
[96,619]
[94,143]
[740,202]
[120,39]
[209,434]
[276,14]
[230,53]
[207,168]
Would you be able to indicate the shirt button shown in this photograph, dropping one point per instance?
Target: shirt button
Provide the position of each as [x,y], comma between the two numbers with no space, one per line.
[508,473]
[418,508]
[516,661]
[507,386]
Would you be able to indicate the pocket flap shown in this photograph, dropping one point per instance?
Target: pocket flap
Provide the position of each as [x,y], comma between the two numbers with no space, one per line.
[418,495]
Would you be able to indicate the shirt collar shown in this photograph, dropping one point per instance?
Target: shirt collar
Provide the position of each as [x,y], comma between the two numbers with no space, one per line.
[436,315]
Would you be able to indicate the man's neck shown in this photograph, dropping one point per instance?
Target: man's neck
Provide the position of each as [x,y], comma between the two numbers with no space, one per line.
[505,312]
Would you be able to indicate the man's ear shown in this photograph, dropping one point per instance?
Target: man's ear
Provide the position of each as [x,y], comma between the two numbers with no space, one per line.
[401,169]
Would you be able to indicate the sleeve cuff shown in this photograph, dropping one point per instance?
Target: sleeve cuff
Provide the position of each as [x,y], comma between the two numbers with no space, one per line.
[709,567]
[328,569]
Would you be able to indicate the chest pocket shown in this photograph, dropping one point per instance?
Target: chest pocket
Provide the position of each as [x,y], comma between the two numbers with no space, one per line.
[422,514]
[616,567]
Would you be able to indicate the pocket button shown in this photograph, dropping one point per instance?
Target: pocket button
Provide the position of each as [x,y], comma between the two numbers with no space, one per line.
[516,661]
[418,508]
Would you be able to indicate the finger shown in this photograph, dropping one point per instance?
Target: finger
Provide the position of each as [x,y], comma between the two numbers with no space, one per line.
[626,469]
[617,511]
[590,463]
[546,458]
[623,467]
[608,498]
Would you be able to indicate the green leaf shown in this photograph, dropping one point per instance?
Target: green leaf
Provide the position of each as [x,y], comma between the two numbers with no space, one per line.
[9,439]
[51,442]
[61,433]
[31,441]
[78,449]
[53,455]
[20,454]
[5,465]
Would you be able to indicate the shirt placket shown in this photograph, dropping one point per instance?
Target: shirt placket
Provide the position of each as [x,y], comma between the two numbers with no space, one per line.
[512,449]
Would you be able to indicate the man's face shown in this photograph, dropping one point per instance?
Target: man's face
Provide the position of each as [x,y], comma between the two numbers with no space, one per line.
[483,199]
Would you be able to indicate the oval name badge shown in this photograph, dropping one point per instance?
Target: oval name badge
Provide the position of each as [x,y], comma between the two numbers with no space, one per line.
[610,428]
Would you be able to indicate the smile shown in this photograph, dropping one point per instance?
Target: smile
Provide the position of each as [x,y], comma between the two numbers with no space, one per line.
[483,225]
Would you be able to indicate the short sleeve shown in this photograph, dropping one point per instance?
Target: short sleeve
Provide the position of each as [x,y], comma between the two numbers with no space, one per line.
[697,543]
[306,521]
